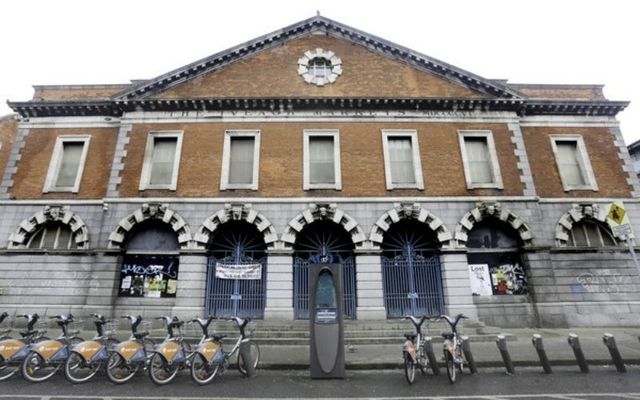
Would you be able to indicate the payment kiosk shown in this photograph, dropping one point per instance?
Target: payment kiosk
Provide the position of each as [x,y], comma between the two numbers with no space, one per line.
[325,316]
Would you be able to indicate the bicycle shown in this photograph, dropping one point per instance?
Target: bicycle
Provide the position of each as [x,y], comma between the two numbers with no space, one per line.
[47,357]
[453,355]
[413,353]
[88,357]
[129,356]
[207,356]
[13,351]
[170,356]
[206,367]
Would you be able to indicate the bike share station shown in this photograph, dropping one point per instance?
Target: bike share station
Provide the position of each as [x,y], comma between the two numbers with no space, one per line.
[326,321]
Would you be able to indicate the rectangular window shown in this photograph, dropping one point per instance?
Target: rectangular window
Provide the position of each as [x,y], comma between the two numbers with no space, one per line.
[321,153]
[161,161]
[67,164]
[403,169]
[479,159]
[240,160]
[573,163]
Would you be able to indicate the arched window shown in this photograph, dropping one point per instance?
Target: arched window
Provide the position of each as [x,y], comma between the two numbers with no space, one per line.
[53,235]
[320,67]
[151,260]
[590,233]
[495,264]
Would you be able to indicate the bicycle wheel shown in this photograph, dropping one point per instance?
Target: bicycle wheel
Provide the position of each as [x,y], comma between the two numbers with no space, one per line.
[7,370]
[35,369]
[451,366]
[160,371]
[77,370]
[409,367]
[202,372]
[254,352]
[118,370]
[422,361]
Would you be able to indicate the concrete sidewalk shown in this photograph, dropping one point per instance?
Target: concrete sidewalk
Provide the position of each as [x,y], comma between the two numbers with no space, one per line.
[385,354]
[485,351]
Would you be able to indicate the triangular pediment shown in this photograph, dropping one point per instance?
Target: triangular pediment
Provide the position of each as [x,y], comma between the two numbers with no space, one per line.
[270,66]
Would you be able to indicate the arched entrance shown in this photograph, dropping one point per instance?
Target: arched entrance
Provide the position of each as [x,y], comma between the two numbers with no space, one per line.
[323,241]
[412,280]
[494,249]
[237,271]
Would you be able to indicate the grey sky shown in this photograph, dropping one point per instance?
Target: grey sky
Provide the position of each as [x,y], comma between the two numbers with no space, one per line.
[560,41]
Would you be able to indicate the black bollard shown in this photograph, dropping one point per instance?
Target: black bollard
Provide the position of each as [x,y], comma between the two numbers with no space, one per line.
[574,342]
[504,352]
[245,353]
[428,349]
[537,344]
[610,342]
[466,348]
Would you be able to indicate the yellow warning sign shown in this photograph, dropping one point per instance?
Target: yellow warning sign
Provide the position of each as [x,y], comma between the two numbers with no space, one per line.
[616,213]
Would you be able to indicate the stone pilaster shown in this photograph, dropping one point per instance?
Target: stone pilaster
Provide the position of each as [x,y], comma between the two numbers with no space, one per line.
[456,285]
[12,163]
[369,281]
[279,287]
[118,161]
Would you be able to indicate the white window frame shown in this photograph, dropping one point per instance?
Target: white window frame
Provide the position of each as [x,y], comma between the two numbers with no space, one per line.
[309,133]
[226,158]
[147,165]
[584,162]
[56,162]
[493,155]
[417,165]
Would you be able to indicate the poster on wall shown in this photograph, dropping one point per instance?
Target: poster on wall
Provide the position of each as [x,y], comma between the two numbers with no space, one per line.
[146,275]
[508,279]
[480,280]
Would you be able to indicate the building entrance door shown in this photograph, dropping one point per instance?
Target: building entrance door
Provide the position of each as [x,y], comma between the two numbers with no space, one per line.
[236,272]
[412,280]
[323,242]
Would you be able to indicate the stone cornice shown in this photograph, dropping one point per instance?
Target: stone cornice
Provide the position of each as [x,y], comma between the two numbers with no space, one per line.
[115,108]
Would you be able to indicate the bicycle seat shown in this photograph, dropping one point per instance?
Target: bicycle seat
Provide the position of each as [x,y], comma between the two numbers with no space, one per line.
[447,335]
[140,335]
[28,333]
[219,337]
[410,335]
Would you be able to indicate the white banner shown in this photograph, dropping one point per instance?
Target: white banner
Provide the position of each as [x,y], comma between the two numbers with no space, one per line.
[239,271]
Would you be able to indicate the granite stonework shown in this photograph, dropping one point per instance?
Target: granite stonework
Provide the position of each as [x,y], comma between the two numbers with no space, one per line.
[568,287]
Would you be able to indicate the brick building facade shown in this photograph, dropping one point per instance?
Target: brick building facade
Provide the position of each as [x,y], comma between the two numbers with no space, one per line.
[319,142]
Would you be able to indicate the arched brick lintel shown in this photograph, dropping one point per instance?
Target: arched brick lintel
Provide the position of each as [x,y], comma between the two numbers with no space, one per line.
[409,211]
[161,212]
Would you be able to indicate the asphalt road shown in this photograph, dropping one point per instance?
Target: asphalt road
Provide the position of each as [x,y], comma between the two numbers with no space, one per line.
[602,383]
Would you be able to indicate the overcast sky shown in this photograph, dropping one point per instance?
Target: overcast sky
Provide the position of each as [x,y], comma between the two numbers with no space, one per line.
[542,41]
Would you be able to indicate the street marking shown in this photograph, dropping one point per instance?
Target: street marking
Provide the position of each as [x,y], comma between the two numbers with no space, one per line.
[558,396]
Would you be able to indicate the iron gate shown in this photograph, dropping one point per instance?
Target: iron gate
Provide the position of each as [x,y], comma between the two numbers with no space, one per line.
[301,286]
[231,297]
[412,285]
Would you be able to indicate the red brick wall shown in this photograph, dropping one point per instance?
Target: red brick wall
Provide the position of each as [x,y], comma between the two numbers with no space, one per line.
[33,166]
[8,131]
[281,164]
[607,166]
[273,72]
